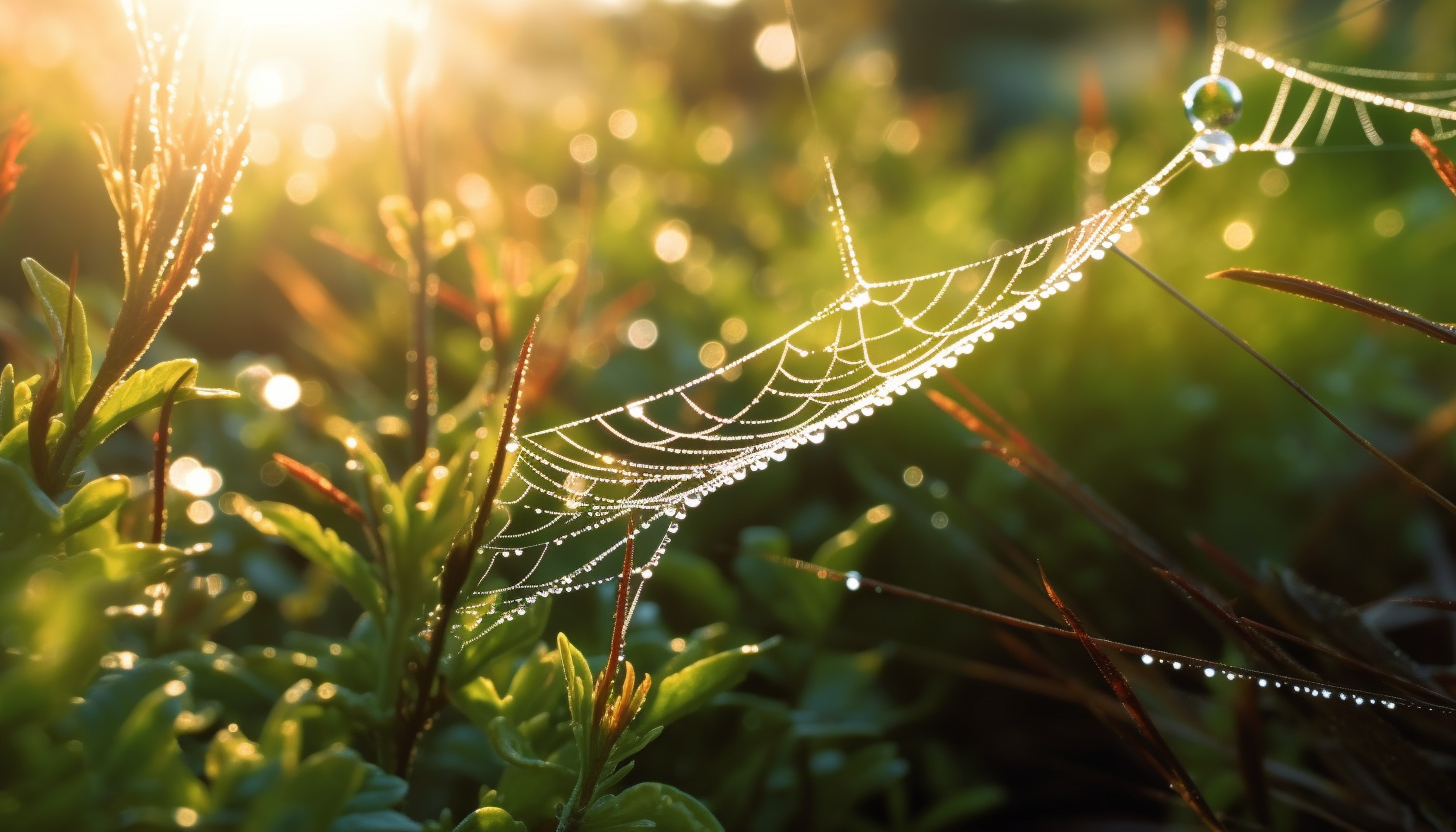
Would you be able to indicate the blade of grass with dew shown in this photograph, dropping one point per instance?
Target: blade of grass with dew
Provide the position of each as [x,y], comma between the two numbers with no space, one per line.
[1385,753]
[1179,779]
[1323,292]
[322,486]
[1025,456]
[1419,483]
[1439,161]
[826,573]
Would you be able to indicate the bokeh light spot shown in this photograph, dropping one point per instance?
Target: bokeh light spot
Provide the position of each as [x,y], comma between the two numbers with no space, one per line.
[775,47]
[282,391]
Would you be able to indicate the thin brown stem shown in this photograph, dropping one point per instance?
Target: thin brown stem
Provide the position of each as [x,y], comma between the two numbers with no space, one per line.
[1191,662]
[414,720]
[1406,475]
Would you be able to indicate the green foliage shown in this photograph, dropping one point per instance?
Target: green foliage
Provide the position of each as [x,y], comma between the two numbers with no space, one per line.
[322,546]
[141,393]
[65,317]
[799,599]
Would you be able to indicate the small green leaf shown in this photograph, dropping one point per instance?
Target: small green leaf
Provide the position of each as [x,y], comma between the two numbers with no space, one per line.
[380,791]
[798,598]
[953,811]
[662,806]
[144,762]
[514,748]
[26,513]
[130,559]
[578,680]
[142,392]
[15,445]
[465,656]
[7,399]
[692,687]
[700,644]
[310,797]
[478,700]
[61,310]
[94,502]
[231,759]
[490,819]
[694,586]
[322,546]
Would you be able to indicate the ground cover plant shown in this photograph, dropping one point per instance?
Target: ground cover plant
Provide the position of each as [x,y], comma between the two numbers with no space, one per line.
[305,522]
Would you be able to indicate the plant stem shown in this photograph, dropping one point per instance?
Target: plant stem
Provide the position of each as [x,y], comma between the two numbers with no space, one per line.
[601,738]
[421,398]
[411,722]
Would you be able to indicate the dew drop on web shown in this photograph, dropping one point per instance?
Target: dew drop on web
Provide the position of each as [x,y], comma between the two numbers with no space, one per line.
[1213,103]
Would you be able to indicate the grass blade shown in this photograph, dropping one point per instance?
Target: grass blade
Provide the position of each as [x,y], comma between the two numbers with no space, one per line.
[1008,444]
[1325,293]
[1439,160]
[322,486]
[1252,749]
[1414,480]
[1178,776]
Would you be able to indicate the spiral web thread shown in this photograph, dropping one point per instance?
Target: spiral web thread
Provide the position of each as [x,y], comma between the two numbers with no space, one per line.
[571,487]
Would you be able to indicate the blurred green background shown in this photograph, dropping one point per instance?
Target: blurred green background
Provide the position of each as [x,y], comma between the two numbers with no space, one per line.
[959,125]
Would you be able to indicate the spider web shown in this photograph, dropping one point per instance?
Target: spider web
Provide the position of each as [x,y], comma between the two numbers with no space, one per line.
[571,487]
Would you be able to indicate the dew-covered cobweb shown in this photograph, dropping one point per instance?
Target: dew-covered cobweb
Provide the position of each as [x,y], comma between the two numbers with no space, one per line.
[571,487]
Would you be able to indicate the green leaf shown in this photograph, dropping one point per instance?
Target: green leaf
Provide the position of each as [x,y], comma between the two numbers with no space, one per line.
[7,399]
[142,392]
[94,502]
[380,791]
[322,546]
[490,819]
[692,687]
[144,764]
[478,700]
[59,308]
[663,807]
[694,586]
[515,748]
[465,656]
[129,559]
[799,599]
[578,680]
[533,795]
[786,592]
[28,518]
[311,797]
[15,445]
[386,500]
[700,644]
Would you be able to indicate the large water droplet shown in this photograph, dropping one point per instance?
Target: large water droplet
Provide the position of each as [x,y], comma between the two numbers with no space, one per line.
[1212,148]
[1213,102]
